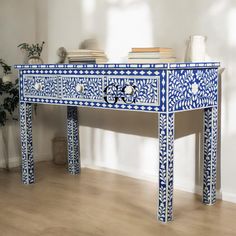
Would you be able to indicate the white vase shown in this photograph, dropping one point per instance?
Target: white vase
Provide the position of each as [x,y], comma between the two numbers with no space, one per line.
[196,49]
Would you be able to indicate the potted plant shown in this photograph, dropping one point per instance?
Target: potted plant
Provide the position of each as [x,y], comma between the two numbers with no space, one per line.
[33,52]
[9,100]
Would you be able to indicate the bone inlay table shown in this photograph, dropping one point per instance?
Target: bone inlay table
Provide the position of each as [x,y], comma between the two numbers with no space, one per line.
[159,88]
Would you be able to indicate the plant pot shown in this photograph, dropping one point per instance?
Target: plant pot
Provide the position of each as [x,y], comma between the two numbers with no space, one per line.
[59,145]
[35,60]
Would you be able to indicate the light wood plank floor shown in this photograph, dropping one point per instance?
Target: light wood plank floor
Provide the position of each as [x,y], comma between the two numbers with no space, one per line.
[102,204]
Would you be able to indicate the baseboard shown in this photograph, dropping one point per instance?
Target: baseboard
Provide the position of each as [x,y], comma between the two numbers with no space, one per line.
[197,189]
[187,188]
[229,197]
[146,177]
[15,161]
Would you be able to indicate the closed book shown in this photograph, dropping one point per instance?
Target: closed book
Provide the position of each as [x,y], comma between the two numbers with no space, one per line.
[150,55]
[78,51]
[82,52]
[150,61]
[88,61]
[152,49]
[82,62]
[86,58]
[101,61]
[85,54]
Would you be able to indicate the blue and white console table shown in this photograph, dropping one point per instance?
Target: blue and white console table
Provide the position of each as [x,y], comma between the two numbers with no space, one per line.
[160,88]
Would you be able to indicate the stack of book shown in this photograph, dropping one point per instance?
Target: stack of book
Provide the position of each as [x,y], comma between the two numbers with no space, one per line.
[88,56]
[151,55]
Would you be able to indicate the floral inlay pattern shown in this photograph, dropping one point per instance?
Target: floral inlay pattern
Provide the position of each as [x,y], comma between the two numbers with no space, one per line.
[92,87]
[145,89]
[48,86]
[191,89]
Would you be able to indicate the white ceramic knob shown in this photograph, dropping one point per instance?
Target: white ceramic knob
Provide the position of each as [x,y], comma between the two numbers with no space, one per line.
[194,88]
[129,90]
[38,86]
[79,88]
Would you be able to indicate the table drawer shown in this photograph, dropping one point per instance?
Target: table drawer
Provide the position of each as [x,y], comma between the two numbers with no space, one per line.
[192,89]
[82,87]
[138,90]
[40,86]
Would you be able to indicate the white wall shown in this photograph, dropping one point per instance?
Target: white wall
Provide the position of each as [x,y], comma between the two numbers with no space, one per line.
[126,141]
[17,25]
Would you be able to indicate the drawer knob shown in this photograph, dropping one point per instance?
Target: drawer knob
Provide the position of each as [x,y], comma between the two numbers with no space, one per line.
[129,90]
[38,86]
[79,88]
[194,88]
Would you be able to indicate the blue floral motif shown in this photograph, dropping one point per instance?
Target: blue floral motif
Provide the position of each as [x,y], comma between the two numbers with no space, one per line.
[210,155]
[119,66]
[26,143]
[192,89]
[92,87]
[146,90]
[48,86]
[73,141]
[166,153]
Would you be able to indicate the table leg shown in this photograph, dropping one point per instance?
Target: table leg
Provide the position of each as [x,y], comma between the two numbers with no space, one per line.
[210,155]
[166,147]
[73,141]
[26,143]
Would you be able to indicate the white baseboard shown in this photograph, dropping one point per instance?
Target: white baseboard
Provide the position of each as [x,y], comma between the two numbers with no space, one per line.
[135,175]
[15,161]
[229,197]
[187,188]
[197,189]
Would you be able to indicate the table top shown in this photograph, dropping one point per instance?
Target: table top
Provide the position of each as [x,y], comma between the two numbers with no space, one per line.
[181,65]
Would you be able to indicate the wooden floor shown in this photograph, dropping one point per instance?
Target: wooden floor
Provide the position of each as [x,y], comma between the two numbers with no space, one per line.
[101,203]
